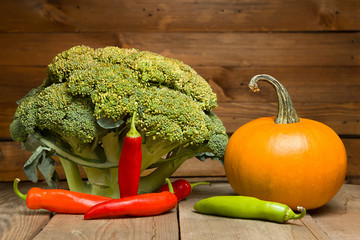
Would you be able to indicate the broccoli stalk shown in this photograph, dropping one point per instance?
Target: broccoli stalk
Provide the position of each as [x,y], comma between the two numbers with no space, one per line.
[164,169]
[73,176]
[112,148]
[82,111]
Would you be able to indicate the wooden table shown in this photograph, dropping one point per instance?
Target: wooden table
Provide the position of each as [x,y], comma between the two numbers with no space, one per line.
[339,219]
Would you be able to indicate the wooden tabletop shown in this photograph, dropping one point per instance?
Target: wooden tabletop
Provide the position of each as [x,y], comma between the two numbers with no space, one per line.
[339,219]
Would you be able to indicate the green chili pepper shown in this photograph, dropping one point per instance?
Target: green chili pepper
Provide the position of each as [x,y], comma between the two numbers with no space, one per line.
[247,207]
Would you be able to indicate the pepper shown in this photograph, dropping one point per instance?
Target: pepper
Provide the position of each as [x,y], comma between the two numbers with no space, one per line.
[58,200]
[148,204]
[182,188]
[247,207]
[130,162]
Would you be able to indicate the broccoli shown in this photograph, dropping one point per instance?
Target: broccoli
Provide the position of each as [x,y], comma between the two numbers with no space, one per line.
[82,112]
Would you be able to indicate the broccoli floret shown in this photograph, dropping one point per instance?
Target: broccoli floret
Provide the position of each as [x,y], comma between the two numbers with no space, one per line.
[82,112]
[18,131]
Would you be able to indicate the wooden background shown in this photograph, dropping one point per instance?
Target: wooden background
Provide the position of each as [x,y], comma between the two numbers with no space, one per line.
[311,46]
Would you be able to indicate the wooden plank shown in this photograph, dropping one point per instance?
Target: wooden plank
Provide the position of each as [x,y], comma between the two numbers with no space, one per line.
[251,49]
[64,226]
[339,217]
[16,82]
[353,152]
[336,220]
[38,49]
[16,220]
[305,84]
[313,227]
[198,226]
[13,158]
[208,49]
[195,168]
[353,180]
[6,117]
[184,15]
[342,118]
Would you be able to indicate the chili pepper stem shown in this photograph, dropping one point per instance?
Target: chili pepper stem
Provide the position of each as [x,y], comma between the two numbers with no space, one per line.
[133,133]
[171,189]
[291,215]
[16,189]
[199,183]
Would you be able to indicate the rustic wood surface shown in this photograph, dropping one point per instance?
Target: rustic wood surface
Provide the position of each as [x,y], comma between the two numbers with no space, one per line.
[209,49]
[183,15]
[335,220]
[311,46]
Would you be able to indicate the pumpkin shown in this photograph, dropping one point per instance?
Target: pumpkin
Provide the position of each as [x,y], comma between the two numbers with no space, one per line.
[287,159]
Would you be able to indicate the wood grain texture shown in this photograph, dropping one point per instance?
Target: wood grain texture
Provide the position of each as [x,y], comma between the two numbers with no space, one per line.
[251,49]
[353,154]
[194,167]
[205,49]
[16,220]
[314,228]
[64,226]
[184,15]
[342,118]
[17,81]
[305,84]
[339,217]
[192,224]
[336,220]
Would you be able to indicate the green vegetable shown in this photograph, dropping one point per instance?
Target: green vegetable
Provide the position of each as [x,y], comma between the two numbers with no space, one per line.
[247,207]
[83,110]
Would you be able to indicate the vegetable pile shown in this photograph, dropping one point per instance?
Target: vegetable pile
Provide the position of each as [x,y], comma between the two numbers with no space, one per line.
[117,112]
[82,113]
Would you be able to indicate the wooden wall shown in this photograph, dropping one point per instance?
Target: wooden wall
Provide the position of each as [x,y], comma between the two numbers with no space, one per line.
[311,46]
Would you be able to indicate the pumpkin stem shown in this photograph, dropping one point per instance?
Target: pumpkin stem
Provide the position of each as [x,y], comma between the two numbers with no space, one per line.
[286,110]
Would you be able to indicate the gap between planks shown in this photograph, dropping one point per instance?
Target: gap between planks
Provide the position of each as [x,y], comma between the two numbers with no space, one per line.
[336,220]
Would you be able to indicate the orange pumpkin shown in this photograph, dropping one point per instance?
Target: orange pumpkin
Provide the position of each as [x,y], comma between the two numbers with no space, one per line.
[287,159]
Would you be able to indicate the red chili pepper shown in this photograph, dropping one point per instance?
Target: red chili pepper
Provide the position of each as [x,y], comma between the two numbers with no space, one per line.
[130,162]
[148,204]
[182,188]
[59,200]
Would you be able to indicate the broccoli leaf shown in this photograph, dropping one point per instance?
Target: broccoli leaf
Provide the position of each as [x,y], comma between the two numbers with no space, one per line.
[109,123]
[205,155]
[47,169]
[31,144]
[32,92]
[41,159]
